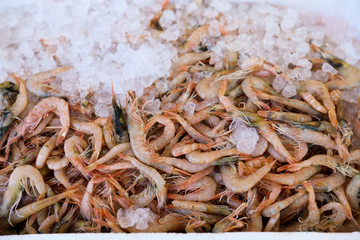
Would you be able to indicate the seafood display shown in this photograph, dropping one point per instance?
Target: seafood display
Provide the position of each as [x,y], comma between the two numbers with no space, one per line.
[176,160]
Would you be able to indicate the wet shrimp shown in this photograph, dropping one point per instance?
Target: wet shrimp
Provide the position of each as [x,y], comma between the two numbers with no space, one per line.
[72,152]
[45,152]
[313,217]
[199,157]
[257,83]
[204,189]
[202,207]
[57,105]
[335,220]
[294,178]
[352,192]
[17,182]
[38,83]
[276,207]
[241,184]
[108,131]
[168,133]
[93,129]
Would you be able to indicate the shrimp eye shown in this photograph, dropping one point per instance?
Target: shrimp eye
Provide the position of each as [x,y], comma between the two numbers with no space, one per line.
[335,64]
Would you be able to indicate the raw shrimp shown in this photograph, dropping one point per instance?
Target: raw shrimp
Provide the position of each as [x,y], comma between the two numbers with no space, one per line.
[317,89]
[194,178]
[274,194]
[306,135]
[293,178]
[45,152]
[336,219]
[313,218]
[352,192]
[168,132]
[190,59]
[240,184]
[85,206]
[184,164]
[261,146]
[44,122]
[145,197]
[38,83]
[322,160]
[208,87]
[230,222]
[251,83]
[231,59]
[294,103]
[57,163]
[202,207]
[51,104]
[182,148]
[107,130]
[62,178]
[93,129]
[199,157]
[351,75]
[285,116]
[72,153]
[154,176]
[272,222]
[194,40]
[204,190]
[294,208]
[340,194]
[329,183]
[46,225]
[275,208]
[18,181]
[254,120]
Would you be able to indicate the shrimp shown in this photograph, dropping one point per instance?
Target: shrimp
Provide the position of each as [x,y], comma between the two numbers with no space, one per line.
[294,208]
[292,178]
[153,175]
[168,133]
[329,183]
[18,181]
[145,197]
[231,59]
[199,157]
[275,208]
[62,178]
[182,148]
[178,79]
[317,89]
[33,118]
[72,152]
[294,103]
[204,189]
[189,129]
[85,206]
[208,87]
[194,178]
[322,160]
[336,219]
[275,192]
[17,108]
[45,226]
[352,192]
[202,207]
[44,122]
[306,135]
[285,116]
[45,152]
[314,214]
[253,82]
[108,131]
[95,130]
[230,222]
[351,75]
[190,59]
[194,40]
[264,129]
[38,83]
[183,164]
[240,184]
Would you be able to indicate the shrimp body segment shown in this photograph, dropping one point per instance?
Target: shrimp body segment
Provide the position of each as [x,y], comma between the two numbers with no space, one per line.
[52,104]
[242,184]
[17,182]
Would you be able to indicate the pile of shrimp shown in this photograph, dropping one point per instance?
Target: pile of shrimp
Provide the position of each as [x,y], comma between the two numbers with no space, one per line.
[64,170]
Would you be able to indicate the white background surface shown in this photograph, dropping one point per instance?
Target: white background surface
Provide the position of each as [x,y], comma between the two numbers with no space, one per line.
[349,10]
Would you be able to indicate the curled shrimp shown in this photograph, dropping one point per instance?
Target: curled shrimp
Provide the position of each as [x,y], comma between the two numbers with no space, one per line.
[153,175]
[335,220]
[230,222]
[145,197]
[72,152]
[275,192]
[56,163]
[257,83]
[208,87]
[352,191]
[93,129]
[108,131]
[168,133]
[204,189]
[196,37]
[33,118]
[38,83]
[310,90]
[18,181]
[240,184]
[313,217]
